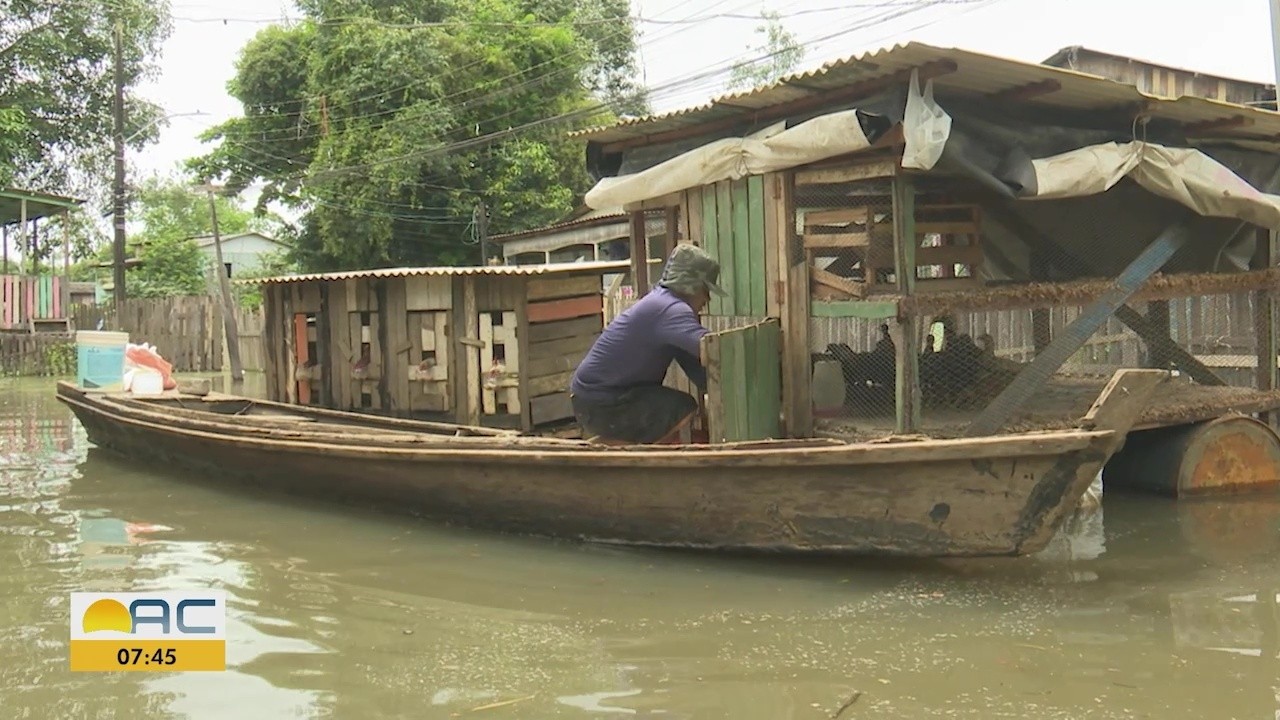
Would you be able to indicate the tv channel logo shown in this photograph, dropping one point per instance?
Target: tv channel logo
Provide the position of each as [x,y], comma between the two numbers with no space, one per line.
[169,631]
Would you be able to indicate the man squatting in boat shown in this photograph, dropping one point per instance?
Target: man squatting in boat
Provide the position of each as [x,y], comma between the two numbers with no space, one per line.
[617,390]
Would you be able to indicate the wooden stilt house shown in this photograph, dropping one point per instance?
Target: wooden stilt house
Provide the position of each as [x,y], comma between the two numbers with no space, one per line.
[494,345]
[971,241]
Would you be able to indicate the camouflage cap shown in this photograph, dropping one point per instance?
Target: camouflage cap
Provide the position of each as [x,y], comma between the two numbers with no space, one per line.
[690,267]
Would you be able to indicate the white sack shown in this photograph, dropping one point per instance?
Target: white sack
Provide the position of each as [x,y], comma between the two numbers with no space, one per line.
[733,158]
[1184,175]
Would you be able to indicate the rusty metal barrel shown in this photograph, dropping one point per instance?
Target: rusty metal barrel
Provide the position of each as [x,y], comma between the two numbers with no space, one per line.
[1229,454]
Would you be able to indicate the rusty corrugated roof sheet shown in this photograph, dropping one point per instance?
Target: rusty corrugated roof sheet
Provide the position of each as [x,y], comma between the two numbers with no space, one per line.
[495,270]
[976,74]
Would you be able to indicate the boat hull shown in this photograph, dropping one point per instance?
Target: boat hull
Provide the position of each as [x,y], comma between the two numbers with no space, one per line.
[907,501]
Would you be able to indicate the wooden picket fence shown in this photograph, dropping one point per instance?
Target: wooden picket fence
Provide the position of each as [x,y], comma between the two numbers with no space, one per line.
[187,331]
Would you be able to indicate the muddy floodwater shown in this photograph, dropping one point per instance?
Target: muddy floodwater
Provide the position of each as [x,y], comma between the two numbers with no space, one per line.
[1146,609]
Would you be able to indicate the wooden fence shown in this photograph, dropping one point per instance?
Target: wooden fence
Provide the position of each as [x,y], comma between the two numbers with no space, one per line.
[187,331]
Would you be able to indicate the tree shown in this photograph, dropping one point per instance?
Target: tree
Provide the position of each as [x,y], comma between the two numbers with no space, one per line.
[784,52]
[57,86]
[172,212]
[377,128]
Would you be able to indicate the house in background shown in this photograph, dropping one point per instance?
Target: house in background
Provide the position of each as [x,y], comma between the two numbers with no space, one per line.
[603,235]
[1164,80]
[241,252]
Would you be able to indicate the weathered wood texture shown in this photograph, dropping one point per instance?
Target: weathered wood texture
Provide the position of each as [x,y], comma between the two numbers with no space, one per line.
[562,318]
[1000,496]
[744,393]
[733,232]
[186,330]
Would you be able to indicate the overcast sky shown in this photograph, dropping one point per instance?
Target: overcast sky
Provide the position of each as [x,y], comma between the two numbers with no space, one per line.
[1229,37]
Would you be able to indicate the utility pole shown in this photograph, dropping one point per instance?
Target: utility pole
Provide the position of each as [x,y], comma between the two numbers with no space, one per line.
[482,228]
[228,308]
[118,113]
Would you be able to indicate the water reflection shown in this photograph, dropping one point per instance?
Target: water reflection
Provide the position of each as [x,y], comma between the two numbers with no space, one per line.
[1145,608]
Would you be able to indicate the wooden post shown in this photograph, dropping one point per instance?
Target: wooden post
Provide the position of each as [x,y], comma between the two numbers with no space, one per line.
[22,231]
[639,254]
[468,354]
[324,348]
[794,299]
[66,243]
[673,230]
[1041,333]
[907,339]
[1264,307]
[228,307]
[4,246]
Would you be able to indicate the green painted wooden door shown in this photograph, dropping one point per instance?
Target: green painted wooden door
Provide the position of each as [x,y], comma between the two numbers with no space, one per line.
[744,386]
[733,231]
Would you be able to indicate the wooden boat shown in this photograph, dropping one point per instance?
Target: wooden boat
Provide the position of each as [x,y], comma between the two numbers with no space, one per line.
[998,495]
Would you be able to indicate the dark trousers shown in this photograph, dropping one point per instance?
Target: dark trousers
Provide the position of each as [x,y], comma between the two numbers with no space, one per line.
[642,414]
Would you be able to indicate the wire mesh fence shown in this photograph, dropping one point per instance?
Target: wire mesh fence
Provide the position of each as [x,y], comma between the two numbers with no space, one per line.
[966,359]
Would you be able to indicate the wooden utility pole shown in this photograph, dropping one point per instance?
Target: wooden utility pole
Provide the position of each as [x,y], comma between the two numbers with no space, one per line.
[228,307]
[118,184]
[482,229]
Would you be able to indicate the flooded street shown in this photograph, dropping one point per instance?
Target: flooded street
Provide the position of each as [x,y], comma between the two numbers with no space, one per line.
[1147,609]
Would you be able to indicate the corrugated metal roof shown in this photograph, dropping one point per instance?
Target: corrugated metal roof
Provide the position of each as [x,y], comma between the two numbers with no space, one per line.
[604,216]
[494,270]
[976,75]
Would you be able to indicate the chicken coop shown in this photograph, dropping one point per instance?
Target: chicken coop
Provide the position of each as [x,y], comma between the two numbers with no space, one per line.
[958,245]
[493,345]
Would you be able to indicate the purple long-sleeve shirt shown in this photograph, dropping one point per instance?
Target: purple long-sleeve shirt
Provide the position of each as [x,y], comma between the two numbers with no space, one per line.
[639,345]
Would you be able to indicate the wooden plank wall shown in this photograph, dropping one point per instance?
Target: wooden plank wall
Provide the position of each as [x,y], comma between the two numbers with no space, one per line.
[730,221]
[427,369]
[186,330]
[744,382]
[564,317]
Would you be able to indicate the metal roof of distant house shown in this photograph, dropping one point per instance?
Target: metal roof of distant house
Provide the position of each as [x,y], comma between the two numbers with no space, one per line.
[494,270]
[1069,53]
[207,240]
[39,204]
[603,216]
[952,70]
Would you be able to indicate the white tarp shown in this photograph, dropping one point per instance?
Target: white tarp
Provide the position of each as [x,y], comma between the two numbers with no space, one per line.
[733,158]
[1184,175]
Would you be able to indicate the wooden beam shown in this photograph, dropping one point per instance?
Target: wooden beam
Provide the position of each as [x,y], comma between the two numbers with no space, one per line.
[1264,307]
[797,377]
[1032,378]
[868,169]
[1207,126]
[928,71]
[1041,332]
[1025,92]
[864,309]
[639,254]
[906,340]
[853,288]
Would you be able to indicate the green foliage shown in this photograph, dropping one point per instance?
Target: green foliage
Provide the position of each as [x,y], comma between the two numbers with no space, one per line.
[56,72]
[60,359]
[172,212]
[272,264]
[784,51]
[346,115]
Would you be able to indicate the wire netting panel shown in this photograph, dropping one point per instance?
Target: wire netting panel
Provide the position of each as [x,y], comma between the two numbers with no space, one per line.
[967,358]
